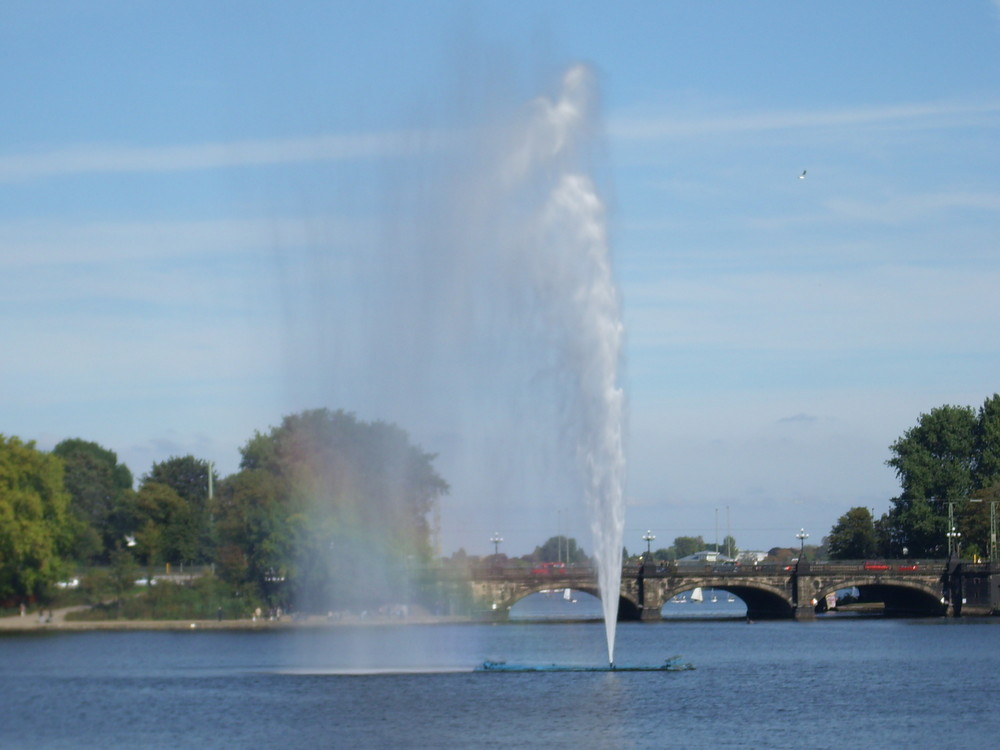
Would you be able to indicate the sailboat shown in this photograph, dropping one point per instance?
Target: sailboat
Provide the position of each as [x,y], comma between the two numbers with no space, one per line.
[697,595]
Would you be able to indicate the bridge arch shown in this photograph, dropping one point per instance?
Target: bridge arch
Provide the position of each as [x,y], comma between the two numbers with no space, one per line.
[509,597]
[764,600]
[901,597]
[503,596]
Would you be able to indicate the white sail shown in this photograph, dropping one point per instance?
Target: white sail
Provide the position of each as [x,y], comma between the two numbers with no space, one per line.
[567,595]
[697,596]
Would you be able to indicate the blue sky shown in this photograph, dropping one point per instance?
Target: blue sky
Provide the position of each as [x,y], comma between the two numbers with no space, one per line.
[167,172]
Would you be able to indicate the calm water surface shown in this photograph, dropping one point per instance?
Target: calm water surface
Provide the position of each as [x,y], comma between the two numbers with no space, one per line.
[830,684]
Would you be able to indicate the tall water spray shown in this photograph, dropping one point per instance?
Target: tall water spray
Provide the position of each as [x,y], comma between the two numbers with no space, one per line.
[583,308]
[482,315]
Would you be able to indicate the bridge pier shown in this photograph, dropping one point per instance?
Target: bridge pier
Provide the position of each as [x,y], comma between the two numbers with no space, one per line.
[803,605]
[804,612]
[650,614]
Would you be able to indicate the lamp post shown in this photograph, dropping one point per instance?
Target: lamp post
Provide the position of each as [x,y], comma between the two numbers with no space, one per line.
[648,538]
[953,540]
[495,540]
[993,530]
[802,536]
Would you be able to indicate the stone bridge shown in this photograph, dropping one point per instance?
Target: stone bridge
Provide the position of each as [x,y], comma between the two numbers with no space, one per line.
[799,591]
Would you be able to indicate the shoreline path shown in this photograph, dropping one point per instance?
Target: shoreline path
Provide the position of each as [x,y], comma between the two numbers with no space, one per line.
[30,622]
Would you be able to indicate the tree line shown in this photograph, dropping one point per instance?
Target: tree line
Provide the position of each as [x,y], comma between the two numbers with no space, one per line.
[948,466]
[328,508]
[322,508]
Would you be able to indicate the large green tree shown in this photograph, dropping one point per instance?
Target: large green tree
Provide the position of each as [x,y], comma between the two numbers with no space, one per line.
[950,456]
[34,519]
[333,508]
[98,486]
[937,457]
[853,536]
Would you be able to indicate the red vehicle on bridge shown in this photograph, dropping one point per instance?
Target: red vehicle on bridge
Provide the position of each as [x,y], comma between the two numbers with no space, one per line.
[549,568]
[874,565]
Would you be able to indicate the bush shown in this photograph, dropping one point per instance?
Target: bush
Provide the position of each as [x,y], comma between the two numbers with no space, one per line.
[201,599]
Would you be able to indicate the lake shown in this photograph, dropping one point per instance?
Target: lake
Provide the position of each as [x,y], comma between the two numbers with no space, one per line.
[834,683]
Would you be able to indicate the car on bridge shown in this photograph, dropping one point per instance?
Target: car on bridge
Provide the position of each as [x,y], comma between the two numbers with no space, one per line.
[549,568]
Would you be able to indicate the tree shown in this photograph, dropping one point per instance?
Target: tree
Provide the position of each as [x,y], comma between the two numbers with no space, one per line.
[560,549]
[334,508]
[853,536]
[34,519]
[97,485]
[975,519]
[688,545]
[188,477]
[937,458]
[987,441]
[167,527]
[729,546]
[917,526]
[256,539]
[951,455]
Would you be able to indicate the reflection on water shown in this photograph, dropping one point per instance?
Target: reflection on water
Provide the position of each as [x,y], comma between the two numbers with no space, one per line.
[558,604]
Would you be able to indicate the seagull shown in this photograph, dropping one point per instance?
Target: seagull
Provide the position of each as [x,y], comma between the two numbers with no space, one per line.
[803,175]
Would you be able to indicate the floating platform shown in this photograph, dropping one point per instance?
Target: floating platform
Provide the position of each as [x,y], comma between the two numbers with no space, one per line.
[672,664]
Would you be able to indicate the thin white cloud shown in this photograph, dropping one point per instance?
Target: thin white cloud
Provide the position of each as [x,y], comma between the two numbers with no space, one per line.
[35,243]
[103,158]
[817,312]
[909,208]
[904,209]
[922,115]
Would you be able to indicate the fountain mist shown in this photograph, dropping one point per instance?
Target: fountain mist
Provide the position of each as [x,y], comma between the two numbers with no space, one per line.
[483,316]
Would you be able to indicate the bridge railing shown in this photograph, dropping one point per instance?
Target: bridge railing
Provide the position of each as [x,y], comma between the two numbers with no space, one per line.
[896,567]
[510,572]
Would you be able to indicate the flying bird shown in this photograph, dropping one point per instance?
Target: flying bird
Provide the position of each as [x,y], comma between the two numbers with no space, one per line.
[803,175]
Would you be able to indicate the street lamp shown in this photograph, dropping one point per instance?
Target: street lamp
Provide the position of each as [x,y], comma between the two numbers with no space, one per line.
[496,539]
[802,536]
[953,537]
[648,538]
